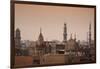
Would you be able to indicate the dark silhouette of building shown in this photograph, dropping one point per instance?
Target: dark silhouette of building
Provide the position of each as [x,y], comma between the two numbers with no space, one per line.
[17,42]
[17,38]
[19,51]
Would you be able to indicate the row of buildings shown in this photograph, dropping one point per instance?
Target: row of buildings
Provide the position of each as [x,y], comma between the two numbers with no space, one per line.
[55,52]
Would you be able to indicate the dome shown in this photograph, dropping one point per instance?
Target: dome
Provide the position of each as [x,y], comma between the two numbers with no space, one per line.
[17,30]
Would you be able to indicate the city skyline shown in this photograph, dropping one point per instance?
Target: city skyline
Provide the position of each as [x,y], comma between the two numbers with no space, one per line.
[51,19]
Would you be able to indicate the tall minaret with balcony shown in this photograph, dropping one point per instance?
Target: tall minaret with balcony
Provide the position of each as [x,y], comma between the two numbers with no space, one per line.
[65,33]
[90,35]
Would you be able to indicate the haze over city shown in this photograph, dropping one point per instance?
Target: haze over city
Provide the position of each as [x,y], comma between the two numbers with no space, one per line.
[30,18]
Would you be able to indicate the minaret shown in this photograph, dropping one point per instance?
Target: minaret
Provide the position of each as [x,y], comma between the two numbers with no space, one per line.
[65,33]
[17,38]
[40,39]
[87,38]
[90,35]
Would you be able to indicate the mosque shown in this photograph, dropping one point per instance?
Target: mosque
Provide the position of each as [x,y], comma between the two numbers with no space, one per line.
[49,52]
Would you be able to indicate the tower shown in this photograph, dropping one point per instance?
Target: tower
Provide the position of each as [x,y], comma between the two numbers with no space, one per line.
[89,34]
[87,38]
[40,38]
[17,38]
[65,33]
[40,45]
[17,42]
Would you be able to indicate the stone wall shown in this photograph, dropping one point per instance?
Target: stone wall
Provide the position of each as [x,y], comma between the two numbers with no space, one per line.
[23,61]
[53,59]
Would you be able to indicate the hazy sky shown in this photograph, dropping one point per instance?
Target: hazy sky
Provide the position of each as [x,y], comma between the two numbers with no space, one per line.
[29,19]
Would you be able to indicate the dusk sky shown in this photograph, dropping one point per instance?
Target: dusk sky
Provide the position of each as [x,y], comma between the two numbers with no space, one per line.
[30,18]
